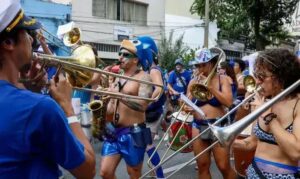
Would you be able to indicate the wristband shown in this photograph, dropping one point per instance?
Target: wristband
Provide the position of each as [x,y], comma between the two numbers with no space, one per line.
[72,119]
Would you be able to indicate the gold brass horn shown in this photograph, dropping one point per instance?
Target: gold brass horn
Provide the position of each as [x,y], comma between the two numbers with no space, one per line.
[249,83]
[200,91]
[80,68]
[73,37]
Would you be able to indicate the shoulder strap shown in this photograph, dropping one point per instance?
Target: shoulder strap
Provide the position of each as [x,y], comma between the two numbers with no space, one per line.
[181,80]
[294,109]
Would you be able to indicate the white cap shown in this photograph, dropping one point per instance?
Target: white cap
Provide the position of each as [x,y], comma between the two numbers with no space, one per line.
[12,17]
[8,11]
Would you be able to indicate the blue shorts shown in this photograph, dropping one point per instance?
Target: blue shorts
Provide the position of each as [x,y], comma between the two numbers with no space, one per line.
[124,146]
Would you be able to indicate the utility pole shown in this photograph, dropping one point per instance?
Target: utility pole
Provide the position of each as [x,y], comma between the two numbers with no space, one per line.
[206,23]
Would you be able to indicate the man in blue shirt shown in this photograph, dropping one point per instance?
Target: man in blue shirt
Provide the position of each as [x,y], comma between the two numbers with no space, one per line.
[36,133]
[178,81]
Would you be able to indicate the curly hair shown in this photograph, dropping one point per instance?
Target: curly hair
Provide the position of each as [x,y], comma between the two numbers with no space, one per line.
[282,64]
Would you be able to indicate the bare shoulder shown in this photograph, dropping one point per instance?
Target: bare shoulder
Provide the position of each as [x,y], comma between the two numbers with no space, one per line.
[144,76]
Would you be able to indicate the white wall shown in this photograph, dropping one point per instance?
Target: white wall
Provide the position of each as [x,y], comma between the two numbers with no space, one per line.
[193,36]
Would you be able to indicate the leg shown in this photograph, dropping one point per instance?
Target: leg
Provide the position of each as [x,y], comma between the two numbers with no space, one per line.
[203,162]
[135,171]
[222,159]
[109,165]
[155,159]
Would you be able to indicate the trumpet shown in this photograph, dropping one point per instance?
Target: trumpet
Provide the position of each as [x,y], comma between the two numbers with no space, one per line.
[80,67]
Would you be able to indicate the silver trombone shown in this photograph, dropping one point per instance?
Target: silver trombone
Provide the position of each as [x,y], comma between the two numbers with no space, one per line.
[226,135]
[249,83]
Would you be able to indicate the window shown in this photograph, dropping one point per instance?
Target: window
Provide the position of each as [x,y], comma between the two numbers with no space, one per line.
[124,10]
[99,8]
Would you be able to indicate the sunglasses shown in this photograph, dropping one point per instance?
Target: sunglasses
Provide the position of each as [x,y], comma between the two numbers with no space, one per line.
[127,55]
[261,76]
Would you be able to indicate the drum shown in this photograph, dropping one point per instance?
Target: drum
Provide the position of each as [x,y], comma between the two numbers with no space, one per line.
[242,159]
[185,132]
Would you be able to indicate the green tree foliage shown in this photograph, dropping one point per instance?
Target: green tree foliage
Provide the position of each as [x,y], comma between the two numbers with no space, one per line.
[260,20]
[169,51]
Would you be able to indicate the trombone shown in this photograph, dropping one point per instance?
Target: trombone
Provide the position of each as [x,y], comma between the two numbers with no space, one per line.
[250,84]
[226,135]
[200,92]
[79,68]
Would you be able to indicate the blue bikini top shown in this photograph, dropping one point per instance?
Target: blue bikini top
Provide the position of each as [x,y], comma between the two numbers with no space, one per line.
[213,101]
[268,137]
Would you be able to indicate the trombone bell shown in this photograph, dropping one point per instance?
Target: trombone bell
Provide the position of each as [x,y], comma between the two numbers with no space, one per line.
[225,135]
[84,56]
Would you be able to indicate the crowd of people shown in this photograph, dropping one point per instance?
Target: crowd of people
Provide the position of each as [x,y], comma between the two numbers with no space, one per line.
[41,132]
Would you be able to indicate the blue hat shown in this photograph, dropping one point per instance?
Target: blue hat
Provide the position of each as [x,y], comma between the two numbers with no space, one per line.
[13,17]
[142,47]
[203,55]
[178,61]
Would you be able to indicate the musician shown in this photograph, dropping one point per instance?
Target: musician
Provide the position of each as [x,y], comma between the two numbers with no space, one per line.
[36,133]
[276,133]
[155,109]
[221,90]
[178,81]
[122,139]
[239,67]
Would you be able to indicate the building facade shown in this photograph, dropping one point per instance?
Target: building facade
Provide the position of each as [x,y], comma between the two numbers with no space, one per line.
[51,15]
[179,20]
[105,23]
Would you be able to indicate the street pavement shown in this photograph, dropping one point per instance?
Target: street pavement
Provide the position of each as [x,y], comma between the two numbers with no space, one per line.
[188,172]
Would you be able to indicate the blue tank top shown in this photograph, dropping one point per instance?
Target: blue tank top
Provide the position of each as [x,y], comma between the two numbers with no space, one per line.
[213,101]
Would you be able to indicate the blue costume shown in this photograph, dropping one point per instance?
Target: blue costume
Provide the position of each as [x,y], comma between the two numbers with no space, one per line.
[121,140]
[35,136]
[122,143]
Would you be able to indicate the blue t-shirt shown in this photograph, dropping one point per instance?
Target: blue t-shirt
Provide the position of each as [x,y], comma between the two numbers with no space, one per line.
[35,136]
[176,83]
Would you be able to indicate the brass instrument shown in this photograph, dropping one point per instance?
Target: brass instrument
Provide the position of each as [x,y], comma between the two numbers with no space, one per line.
[72,38]
[249,84]
[200,91]
[80,67]
[226,135]
[98,108]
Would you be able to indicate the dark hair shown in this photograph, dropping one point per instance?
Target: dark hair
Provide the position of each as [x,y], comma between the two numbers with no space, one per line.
[155,58]
[282,63]
[241,64]
[13,35]
[229,71]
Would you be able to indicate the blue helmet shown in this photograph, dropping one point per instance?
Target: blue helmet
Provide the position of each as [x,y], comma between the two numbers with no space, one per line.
[145,49]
